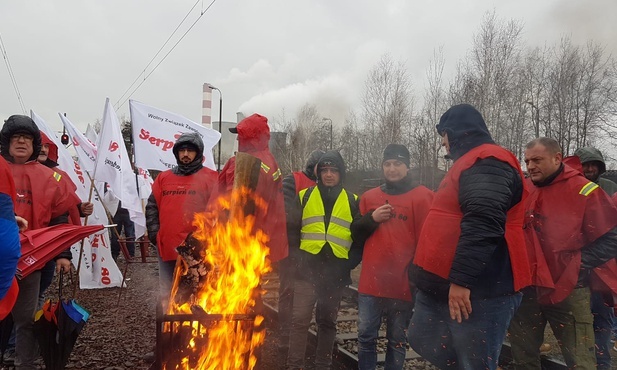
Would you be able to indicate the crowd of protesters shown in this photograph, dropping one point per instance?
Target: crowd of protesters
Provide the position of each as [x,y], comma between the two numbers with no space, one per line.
[492,252]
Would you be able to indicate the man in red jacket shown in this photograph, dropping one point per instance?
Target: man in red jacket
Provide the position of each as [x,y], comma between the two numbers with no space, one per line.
[392,217]
[177,195]
[253,138]
[49,158]
[471,261]
[570,228]
[42,199]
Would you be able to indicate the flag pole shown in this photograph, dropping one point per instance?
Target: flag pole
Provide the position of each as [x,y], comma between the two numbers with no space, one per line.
[81,245]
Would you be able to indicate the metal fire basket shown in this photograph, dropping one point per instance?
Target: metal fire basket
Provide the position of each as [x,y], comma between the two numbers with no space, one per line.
[174,331]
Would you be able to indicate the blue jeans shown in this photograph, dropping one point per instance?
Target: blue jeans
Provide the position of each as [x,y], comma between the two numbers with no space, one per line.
[370,311]
[602,327]
[473,344]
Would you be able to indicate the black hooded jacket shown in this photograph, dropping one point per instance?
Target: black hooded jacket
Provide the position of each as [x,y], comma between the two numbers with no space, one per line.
[487,190]
[19,124]
[193,140]
[325,267]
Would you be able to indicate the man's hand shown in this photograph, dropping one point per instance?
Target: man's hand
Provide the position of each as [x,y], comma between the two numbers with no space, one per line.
[459,302]
[86,208]
[63,264]
[383,213]
[22,223]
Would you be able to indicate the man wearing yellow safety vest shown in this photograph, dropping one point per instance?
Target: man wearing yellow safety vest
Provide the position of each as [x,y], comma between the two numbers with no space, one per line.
[327,254]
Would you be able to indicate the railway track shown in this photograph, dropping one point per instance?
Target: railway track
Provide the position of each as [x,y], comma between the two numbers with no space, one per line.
[345,351]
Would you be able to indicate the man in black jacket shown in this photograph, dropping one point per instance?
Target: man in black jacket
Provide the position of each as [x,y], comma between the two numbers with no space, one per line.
[326,256]
[471,258]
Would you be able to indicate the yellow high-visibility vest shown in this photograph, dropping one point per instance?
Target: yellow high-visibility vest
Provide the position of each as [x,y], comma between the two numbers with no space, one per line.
[314,234]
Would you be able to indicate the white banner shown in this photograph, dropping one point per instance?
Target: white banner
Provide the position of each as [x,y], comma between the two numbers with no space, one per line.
[114,167]
[155,131]
[90,273]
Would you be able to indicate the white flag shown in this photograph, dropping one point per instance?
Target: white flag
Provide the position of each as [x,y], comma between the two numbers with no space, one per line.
[114,167]
[98,269]
[86,150]
[155,132]
[65,160]
[144,182]
[91,134]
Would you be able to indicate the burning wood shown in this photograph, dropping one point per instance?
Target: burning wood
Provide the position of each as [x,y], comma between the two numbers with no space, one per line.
[210,321]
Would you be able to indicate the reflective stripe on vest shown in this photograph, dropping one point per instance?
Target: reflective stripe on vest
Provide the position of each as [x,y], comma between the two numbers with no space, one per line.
[313,233]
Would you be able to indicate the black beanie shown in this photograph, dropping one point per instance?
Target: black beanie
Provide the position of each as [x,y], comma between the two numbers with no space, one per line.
[398,152]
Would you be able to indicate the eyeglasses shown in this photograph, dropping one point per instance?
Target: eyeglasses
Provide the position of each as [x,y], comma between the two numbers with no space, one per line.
[24,137]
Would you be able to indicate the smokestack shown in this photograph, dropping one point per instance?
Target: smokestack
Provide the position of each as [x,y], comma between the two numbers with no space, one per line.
[239,116]
[206,114]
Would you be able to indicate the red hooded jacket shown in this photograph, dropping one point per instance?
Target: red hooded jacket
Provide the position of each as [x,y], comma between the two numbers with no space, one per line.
[41,195]
[560,219]
[253,139]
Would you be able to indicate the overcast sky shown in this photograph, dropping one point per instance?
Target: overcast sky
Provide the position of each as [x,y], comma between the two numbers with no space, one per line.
[266,56]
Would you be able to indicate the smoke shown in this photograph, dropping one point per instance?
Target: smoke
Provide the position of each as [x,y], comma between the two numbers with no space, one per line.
[581,21]
[331,95]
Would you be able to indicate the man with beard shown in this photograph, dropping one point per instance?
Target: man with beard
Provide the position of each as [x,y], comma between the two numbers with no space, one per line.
[471,260]
[177,195]
[49,158]
[571,233]
[43,200]
[326,255]
[392,217]
[593,164]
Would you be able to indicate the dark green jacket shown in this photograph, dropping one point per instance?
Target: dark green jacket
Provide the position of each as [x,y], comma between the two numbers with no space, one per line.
[591,154]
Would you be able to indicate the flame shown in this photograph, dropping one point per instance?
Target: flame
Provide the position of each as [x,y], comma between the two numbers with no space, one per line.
[237,254]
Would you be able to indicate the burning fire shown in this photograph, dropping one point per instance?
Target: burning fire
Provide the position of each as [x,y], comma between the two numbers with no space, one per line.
[236,258]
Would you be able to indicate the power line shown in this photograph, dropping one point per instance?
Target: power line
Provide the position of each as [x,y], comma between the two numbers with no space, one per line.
[12,75]
[157,53]
[118,104]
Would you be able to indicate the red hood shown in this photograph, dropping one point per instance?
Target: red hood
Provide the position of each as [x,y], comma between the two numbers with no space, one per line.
[253,134]
[574,162]
[53,148]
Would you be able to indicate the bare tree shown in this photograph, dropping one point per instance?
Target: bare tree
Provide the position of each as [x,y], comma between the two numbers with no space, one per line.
[387,106]
[426,142]
[490,79]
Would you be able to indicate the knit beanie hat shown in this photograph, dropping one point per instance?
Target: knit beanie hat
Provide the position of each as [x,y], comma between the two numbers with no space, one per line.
[398,152]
